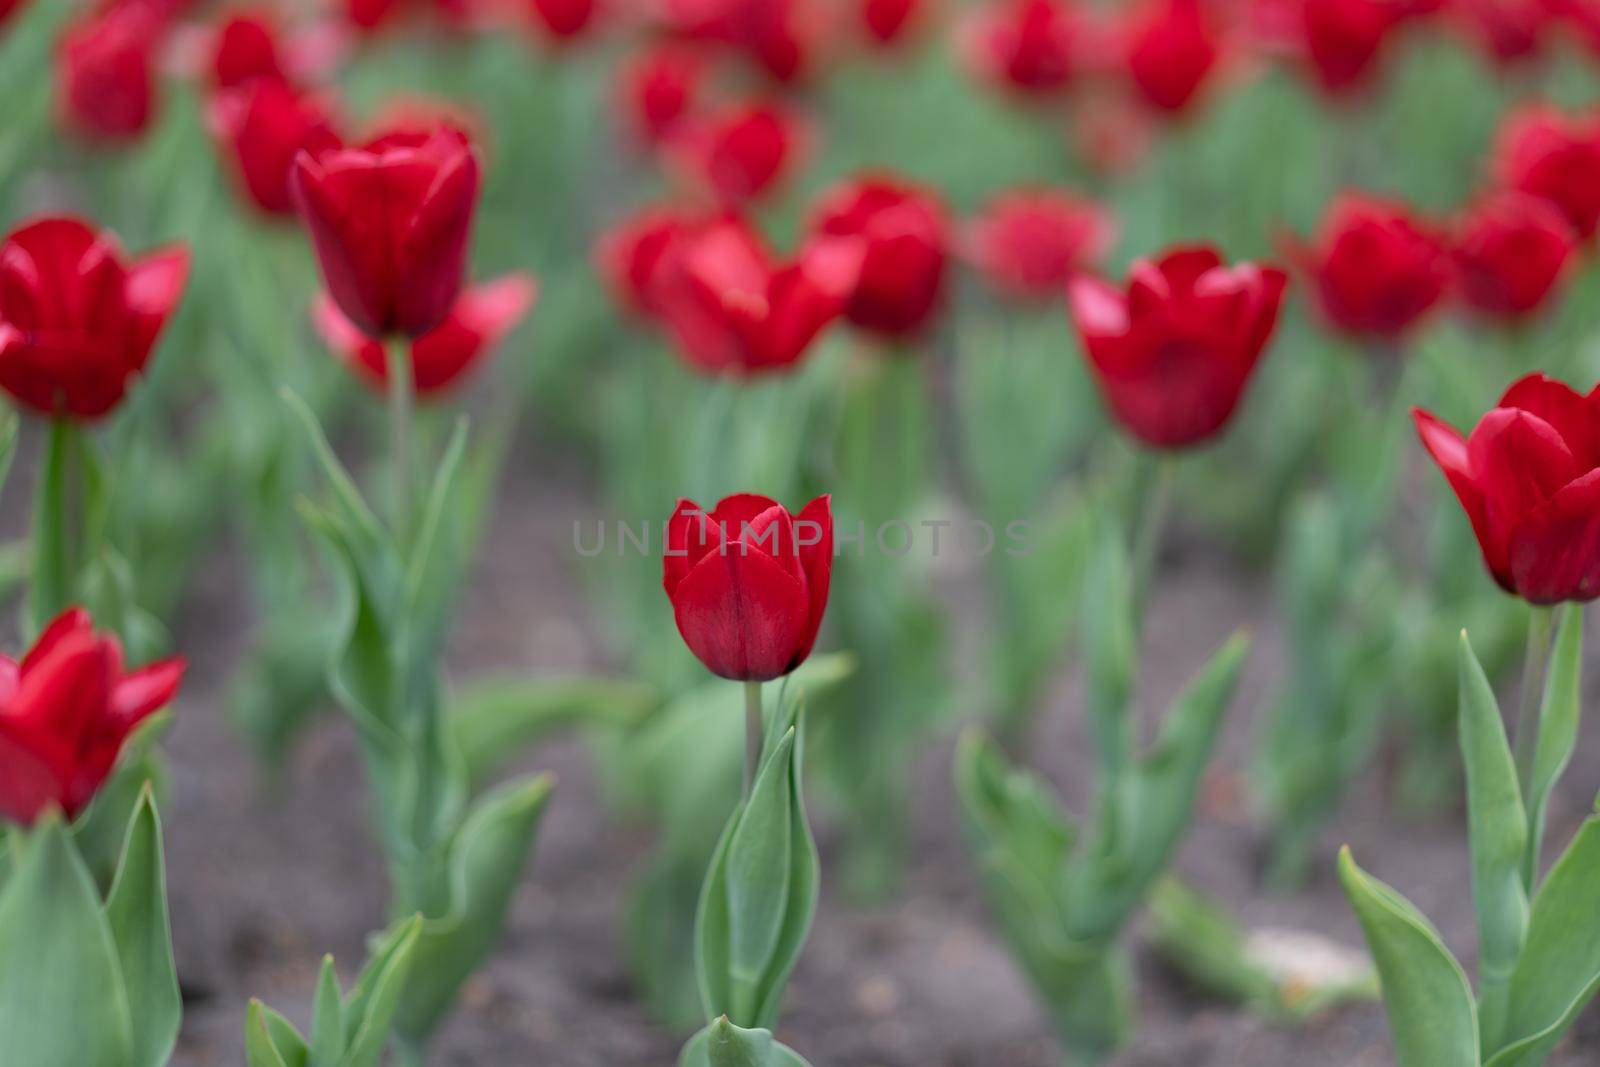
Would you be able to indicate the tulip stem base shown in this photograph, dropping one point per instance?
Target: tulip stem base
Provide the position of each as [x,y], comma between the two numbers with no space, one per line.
[398,369]
[754,727]
[1525,732]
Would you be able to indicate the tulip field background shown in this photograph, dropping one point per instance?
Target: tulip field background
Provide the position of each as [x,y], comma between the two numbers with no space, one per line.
[1315,521]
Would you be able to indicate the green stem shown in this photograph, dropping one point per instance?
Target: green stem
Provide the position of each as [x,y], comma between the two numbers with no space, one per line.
[753,728]
[1525,736]
[1152,529]
[398,352]
[57,533]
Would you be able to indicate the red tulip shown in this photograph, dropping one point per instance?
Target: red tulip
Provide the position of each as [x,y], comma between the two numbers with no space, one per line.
[749,582]
[76,324]
[1029,45]
[246,48]
[1556,157]
[1344,39]
[390,222]
[368,16]
[1377,269]
[733,310]
[1031,242]
[1509,30]
[1173,47]
[903,231]
[659,89]
[562,19]
[739,153]
[1528,478]
[9,8]
[886,21]
[1174,354]
[263,126]
[481,319]
[1512,253]
[630,257]
[106,78]
[777,35]
[65,712]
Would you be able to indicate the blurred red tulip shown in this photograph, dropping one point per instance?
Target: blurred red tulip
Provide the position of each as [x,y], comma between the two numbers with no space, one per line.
[749,582]
[9,8]
[740,152]
[1555,156]
[1173,46]
[263,126]
[246,48]
[1029,45]
[481,319]
[1377,268]
[106,77]
[779,36]
[659,88]
[371,15]
[630,256]
[1528,478]
[65,712]
[904,233]
[390,222]
[733,310]
[1512,253]
[1344,39]
[1031,242]
[1174,354]
[76,324]
[887,21]
[1509,30]
[562,19]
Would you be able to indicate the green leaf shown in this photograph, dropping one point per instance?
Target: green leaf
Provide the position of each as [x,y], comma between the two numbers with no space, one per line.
[327,1018]
[805,879]
[1498,831]
[494,720]
[1558,730]
[369,1011]
[724,1045]
[270,1040]
[137,914]
[1431,1011]
[100,833]
[62,997]
[486,861]
[1111,656]
[1559,970]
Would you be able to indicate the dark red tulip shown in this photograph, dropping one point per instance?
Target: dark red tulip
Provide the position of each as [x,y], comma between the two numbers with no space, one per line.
[246,48]
[904,232]
[1174,354]
[1173,47]
[390,222]
[562,19]
[733,310]
[738,153]
[1510,31]
[1345,38]
[1377,268]
[778,36]
[1029,45]
[1031,242]
[368,16]
[481,319]
[9,8]
[106,78]
[1555,156]
[65,712]
[77,324]
[749,582]
[659,88]
[1528,478]
[1512,253]
[263,126]
[887,21]
[630,257]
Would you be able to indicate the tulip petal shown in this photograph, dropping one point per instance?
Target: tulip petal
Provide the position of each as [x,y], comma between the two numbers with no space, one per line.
[73,620]
[28,784]
[146,691]
[432,252]
[1573,415]
[153,288]
[1555,552]
[1098,309]
[1449,450]
[814,531]
[743,615]
[690,535]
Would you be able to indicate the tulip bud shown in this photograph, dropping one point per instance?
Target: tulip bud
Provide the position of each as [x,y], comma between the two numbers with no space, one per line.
[246,48]
[106,82]
[659,88]
[904,239]
[1511,255]
[1345,38]
[1172,49]
[1377,269]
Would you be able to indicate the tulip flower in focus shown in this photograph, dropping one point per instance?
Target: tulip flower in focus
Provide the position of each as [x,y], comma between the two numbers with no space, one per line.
[1029,45]
[106,80]
[1172,48]
[732,309]
[1511,255]
[1526,477]
[903,232]
[749,582]
[65,711]
[1377,269]
[1555,156]
[263,126]
[77,323]
[739,153]
[390,221]
[659,88]
[629,256]
[1030,243]
[483,316]
[1174,353]
[1344,39]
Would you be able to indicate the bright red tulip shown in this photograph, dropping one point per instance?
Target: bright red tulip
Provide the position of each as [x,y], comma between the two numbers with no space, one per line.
[106,77]
[905,235]
[1528,477]
[1029,45]
[1512,253]
[1174,354]
[739,153]
[65,712]
[390,222]
[562,19]
[483,316]
[246,48]
[887,21]
[1173,47]
[749,582]
[630,257]
[659,88]
[1377,268]
[77,324]
[733,310]
[1031,242]
[1345,38]
[1554,156]
[263,126]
